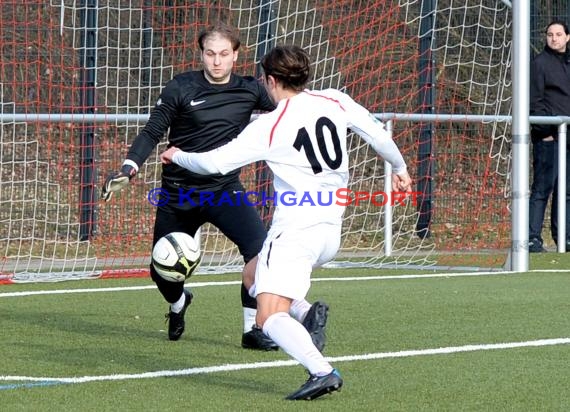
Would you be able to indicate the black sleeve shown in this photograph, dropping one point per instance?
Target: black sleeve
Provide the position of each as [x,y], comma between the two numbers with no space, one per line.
[264,102]
[537,103]
[161,117]
[537,106]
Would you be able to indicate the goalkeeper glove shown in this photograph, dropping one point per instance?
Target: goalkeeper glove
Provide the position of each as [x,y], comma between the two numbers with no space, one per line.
[117,181]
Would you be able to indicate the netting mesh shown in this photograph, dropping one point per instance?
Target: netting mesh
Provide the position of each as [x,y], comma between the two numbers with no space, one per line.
[113,57]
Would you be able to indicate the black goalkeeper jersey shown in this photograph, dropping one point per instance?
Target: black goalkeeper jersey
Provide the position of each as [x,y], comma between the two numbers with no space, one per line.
[201,117]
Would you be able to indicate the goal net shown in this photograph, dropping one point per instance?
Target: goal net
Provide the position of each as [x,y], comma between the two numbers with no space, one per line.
[79,77]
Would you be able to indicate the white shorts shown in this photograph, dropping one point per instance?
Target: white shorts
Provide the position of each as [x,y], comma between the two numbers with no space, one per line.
[289,255]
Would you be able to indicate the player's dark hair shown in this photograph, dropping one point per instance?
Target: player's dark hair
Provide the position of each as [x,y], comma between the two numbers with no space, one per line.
[224,30]
[560,23]
[291,65]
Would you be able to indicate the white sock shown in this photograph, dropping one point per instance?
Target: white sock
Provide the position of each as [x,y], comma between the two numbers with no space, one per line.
[294,339]
[299,309]
[248,319]
[177,306]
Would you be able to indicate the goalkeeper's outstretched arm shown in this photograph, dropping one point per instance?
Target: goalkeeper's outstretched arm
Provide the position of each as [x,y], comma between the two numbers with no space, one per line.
[145,142]
[117,181]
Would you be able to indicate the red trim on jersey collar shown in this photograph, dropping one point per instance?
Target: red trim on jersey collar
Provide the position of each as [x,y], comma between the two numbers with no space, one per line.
[325,97]
[277,122]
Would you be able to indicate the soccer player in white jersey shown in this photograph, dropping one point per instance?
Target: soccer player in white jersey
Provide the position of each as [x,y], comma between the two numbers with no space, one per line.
[303,141]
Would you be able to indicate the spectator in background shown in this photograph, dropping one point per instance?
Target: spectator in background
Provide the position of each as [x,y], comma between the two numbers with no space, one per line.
[549,96]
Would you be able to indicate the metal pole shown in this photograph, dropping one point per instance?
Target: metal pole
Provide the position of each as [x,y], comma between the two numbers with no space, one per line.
[88,173]
[146,57]
[427,105]
[521,136]
[266,35]
[265,41]
[562,137]
[128,118]
[388,211]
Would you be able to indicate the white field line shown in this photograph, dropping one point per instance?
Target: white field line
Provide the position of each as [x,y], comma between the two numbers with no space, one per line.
[214,283]
[212,369]
[282,363]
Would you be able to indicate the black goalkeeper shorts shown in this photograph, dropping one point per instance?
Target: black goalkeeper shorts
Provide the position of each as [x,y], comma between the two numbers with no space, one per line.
[237,220]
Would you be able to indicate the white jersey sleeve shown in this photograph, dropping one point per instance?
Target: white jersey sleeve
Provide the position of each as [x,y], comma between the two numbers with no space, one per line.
[372,131]
[250,146]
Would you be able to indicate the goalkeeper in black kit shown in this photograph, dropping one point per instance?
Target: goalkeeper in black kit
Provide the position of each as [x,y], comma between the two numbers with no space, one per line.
[204,110]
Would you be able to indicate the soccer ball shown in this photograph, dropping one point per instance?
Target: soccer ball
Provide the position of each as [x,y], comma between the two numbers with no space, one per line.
[176,256]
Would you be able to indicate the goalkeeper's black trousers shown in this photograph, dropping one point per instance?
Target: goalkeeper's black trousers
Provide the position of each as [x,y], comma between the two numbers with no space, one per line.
[237,220]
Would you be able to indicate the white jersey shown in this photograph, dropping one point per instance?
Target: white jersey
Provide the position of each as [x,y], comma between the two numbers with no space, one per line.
[303,141]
